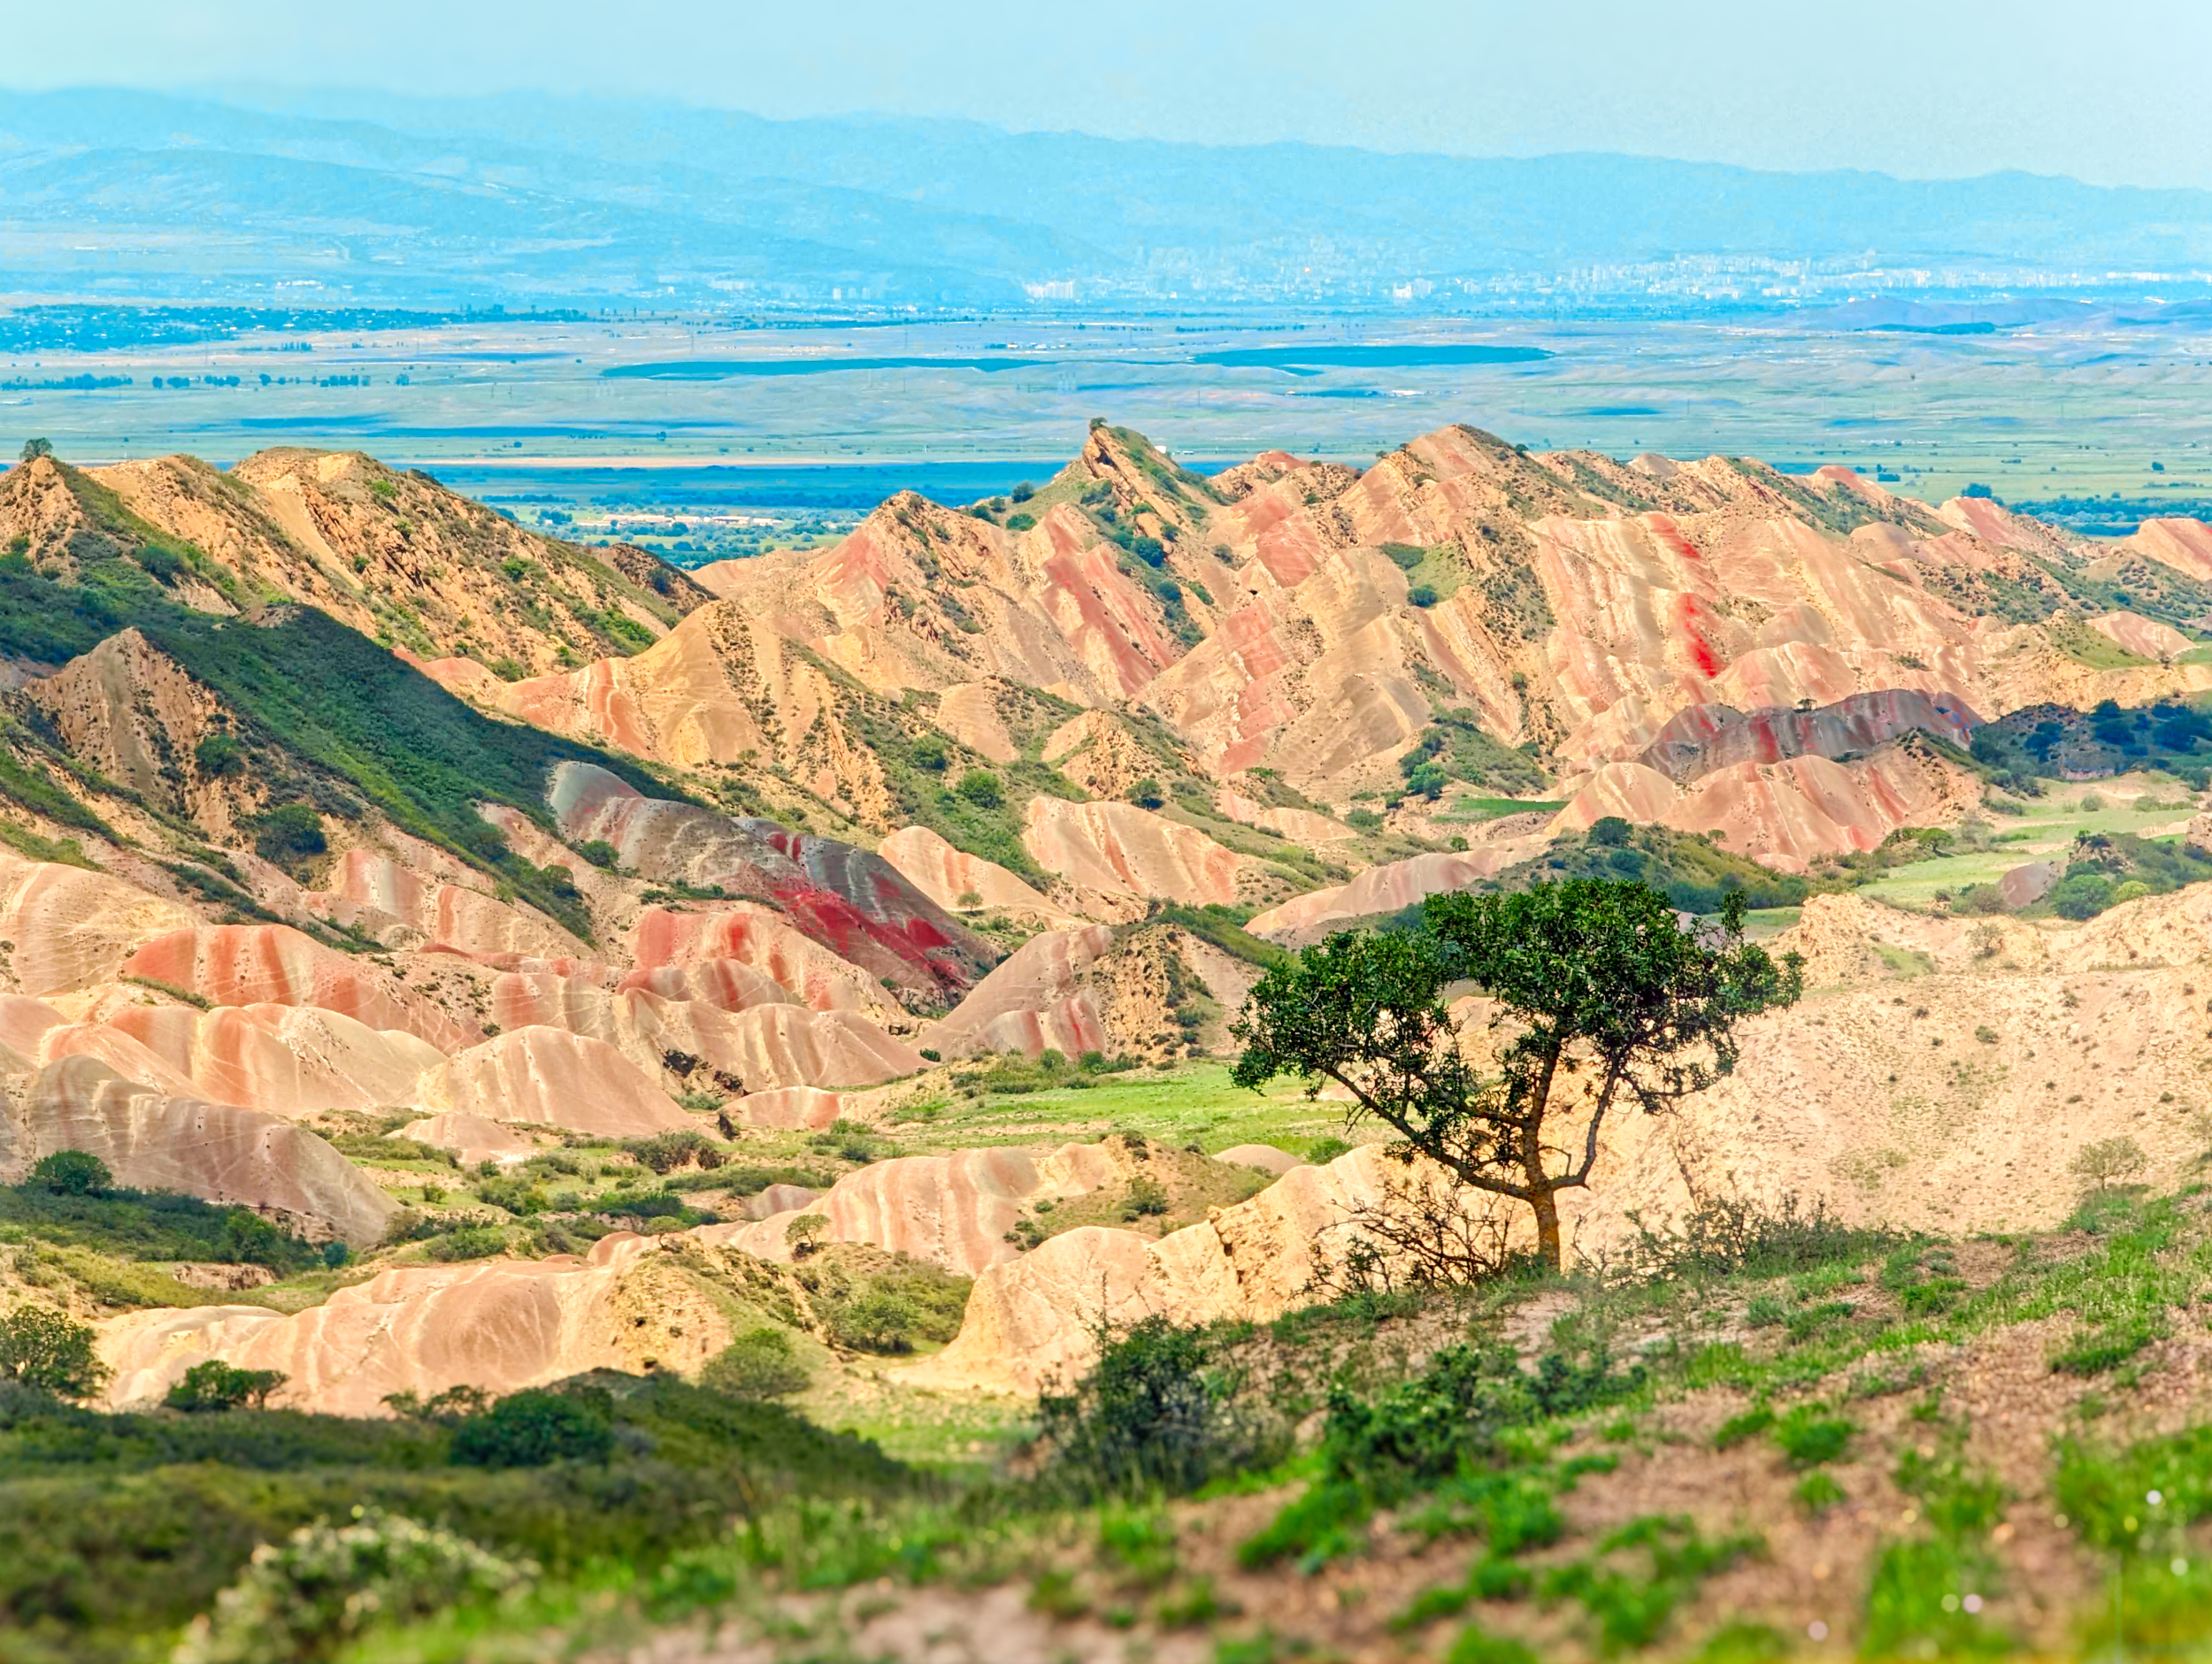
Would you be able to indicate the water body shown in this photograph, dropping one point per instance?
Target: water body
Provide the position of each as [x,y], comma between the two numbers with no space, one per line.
[717,369]
[1410,356]
[853,486]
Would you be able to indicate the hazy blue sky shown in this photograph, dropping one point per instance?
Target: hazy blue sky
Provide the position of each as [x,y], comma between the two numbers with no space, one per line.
[2110,92]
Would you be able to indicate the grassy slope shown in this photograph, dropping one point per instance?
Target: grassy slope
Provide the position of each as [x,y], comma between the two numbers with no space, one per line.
[332,702]
[1839,1427]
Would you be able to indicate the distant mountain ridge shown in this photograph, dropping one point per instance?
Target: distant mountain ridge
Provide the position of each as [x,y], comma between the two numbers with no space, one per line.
[434,200]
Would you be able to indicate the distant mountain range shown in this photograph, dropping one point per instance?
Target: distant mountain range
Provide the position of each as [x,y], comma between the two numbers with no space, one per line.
[382,199]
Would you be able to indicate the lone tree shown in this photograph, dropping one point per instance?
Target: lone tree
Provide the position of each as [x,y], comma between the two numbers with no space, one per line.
[1600,996]
[45,1348]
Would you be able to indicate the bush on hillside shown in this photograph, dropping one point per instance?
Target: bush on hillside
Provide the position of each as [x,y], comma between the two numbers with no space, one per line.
[534,1428]
[758,1364]
[325,1583]
[46,1349]
[215,1386]
[291,833]
[1158,1412]
[73,1173]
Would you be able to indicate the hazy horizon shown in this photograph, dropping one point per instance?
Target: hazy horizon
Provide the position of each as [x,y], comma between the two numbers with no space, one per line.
[1918,92]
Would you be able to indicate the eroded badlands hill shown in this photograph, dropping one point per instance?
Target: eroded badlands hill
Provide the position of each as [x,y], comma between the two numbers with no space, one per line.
[345,815]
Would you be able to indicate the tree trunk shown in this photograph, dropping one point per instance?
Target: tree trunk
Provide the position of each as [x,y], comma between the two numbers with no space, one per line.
[1546,1203]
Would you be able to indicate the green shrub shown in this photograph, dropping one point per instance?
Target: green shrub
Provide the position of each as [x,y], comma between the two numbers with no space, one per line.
[307,1599]
[220,755]
[534,1428]
[1422,595]
[876,1319]
[215,1386]
[290,832]
[73,1173]
[1737,1428]
[43,1348]
[1476,1646]
[470,1242]
[1810,1439]
[600,853]
[1156,1413]
[666,1152]
[2082,896]
[981,787]
[758,1364]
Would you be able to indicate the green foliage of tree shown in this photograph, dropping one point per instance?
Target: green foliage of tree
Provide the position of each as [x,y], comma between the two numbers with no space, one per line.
[757,1364]
[601,854]
[215,1386]
[73,1173]
[46,1349]
[291,831]
[1602,997]
[34,449]
[531,1428]
[220,755]
[981,787]
[1156,1413]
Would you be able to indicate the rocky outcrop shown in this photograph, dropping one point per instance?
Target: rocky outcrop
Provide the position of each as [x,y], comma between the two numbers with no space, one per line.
[1119,849]
[274,964]
[851,901]
[1388,888]
[1036,1001]
[499,1325]
[957,881]
[950,1210]
[549,1077]
[1035,1319]
[216,1152]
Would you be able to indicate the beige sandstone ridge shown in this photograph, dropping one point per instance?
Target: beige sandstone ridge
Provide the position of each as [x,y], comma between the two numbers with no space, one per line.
[288,1061]
[499,1325]
[549,1077]
[217,1152]
[473,1137]
[684,1012]
[720,687]
[1035,1319]
[1119,849]
[72,928]
[969,712]
[2145,638]
[951,1210]
[1266,1157]
[1386,889]
[253,964]
[787,1109]
[950,876]
[1035,1001]
[1298,825]
[428,914]
[1784,814]
[1096,989]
